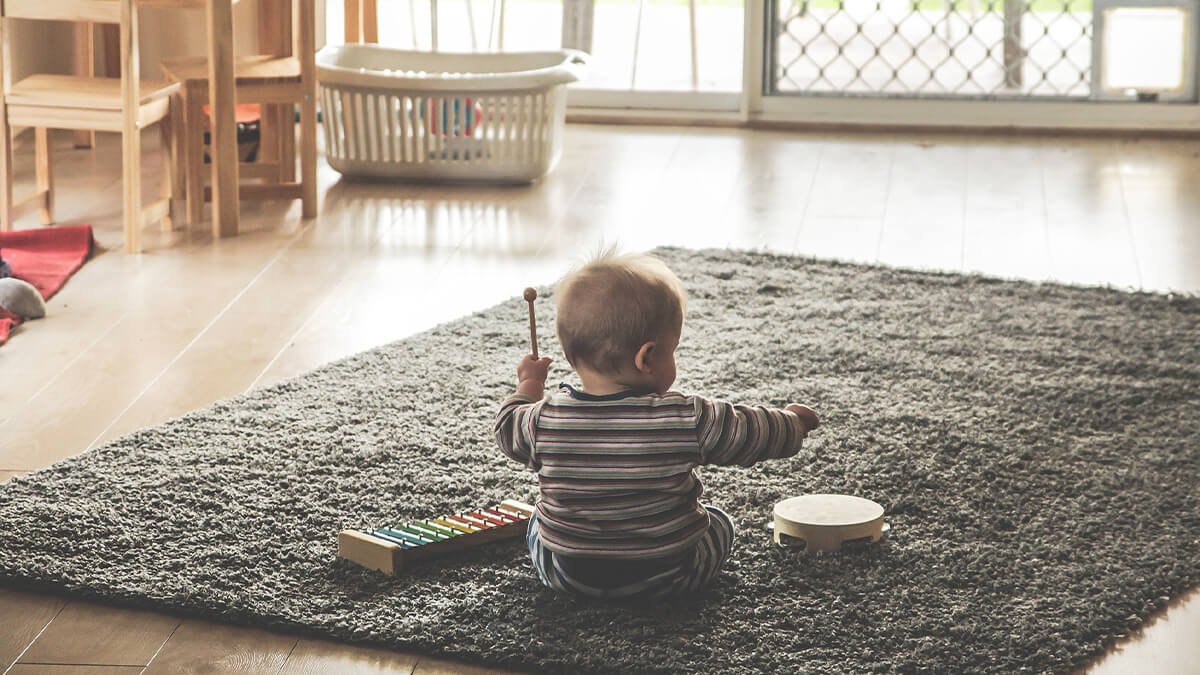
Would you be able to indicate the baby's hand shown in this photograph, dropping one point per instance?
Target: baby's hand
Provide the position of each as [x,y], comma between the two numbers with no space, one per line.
[806,414]
[533,370]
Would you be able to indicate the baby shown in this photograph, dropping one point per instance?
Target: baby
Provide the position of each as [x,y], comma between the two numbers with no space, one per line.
[620,515]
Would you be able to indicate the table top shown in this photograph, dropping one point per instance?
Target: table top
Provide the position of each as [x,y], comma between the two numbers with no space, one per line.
[102,11]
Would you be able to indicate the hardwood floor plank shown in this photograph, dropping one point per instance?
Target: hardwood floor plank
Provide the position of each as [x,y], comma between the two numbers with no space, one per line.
[1088,229]
[1166,240]
[1165,646]
[258,322]
[1005,229]
[432,666]
[767,204]
[618,191]
[72,669]
[928,184]
[24,616]
[1155,158]
[854,239]
[351,322]
[91,634]
[923,222]
[1093,253]
[1004,185]
[319,657]
[1082,182]
[193,291]
[203,647]
[75,317]
[853,179]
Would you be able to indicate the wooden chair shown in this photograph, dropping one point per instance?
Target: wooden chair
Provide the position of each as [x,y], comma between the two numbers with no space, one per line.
[122,104]
[278,81]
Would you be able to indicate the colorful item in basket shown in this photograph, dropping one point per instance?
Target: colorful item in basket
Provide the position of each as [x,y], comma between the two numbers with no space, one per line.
[454,116]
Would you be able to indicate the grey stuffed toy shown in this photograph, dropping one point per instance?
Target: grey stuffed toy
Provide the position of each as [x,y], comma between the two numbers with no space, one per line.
[5,269]
[21,298]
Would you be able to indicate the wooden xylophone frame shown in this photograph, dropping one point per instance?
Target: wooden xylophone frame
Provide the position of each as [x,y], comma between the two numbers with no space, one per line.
[388,549]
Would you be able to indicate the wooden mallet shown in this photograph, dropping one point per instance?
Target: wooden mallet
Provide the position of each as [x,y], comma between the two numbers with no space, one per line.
[530,296]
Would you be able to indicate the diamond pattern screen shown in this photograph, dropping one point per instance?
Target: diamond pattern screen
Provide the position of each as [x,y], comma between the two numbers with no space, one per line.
[936,48]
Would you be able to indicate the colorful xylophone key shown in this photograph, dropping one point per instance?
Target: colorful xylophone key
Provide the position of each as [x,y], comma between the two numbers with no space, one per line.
[387,549]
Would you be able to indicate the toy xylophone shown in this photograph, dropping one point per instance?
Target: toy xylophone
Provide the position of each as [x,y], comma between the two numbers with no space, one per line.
[387,549]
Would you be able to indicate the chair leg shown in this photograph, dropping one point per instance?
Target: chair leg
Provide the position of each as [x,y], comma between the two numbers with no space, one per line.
[131,135]
[175,129]
[268,134]
[287,143]
[6,172]
[6,158]
[308,157]
[169,170]
[131,177]
[193,145]
[304,31]
[44,158]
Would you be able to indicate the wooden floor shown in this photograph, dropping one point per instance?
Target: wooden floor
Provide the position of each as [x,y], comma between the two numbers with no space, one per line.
[134,340]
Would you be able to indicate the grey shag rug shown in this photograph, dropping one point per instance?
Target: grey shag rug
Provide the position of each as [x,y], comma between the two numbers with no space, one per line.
[1035,446]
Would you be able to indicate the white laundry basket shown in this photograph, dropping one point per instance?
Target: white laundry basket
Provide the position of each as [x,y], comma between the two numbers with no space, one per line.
[473,117]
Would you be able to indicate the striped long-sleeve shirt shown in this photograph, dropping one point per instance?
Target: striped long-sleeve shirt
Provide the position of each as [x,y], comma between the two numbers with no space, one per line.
[615,472]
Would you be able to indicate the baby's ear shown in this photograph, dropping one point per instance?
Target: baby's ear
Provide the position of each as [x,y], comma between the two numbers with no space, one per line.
[641,360]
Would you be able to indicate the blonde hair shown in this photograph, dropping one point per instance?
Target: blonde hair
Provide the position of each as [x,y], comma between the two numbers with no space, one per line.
[612,305]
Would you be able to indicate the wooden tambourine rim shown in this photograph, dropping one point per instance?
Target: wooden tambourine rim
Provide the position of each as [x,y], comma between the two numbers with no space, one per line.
[829,536]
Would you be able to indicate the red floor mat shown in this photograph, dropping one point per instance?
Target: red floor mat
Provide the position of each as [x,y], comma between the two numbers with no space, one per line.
[45,257]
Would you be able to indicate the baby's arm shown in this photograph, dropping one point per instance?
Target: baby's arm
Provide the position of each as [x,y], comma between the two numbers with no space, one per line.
[739,434]
[517,419]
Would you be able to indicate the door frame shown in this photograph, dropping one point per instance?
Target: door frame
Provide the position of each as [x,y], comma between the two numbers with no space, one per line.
[751,107]
[917,112]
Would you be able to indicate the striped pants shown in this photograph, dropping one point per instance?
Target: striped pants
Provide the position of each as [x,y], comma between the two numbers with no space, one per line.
[689,575]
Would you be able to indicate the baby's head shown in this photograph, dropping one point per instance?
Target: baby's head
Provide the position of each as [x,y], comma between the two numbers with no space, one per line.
[620,317]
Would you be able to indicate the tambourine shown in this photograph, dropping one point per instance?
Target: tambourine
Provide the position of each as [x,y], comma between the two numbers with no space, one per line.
[825,522]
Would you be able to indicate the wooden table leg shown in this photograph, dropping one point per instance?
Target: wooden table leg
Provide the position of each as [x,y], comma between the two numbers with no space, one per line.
[131,137]
[6,156]
[222,102]
[305,47]
[352,13]
[44,171]
[370,21]
[85,64]
[193,155]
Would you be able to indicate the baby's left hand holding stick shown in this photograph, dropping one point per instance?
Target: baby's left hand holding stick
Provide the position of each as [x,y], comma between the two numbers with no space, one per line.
[531,376]
[532,371]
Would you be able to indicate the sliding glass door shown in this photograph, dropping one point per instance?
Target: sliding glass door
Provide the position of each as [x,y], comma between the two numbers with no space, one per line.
[955,62]
[645,53]
[983,49]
